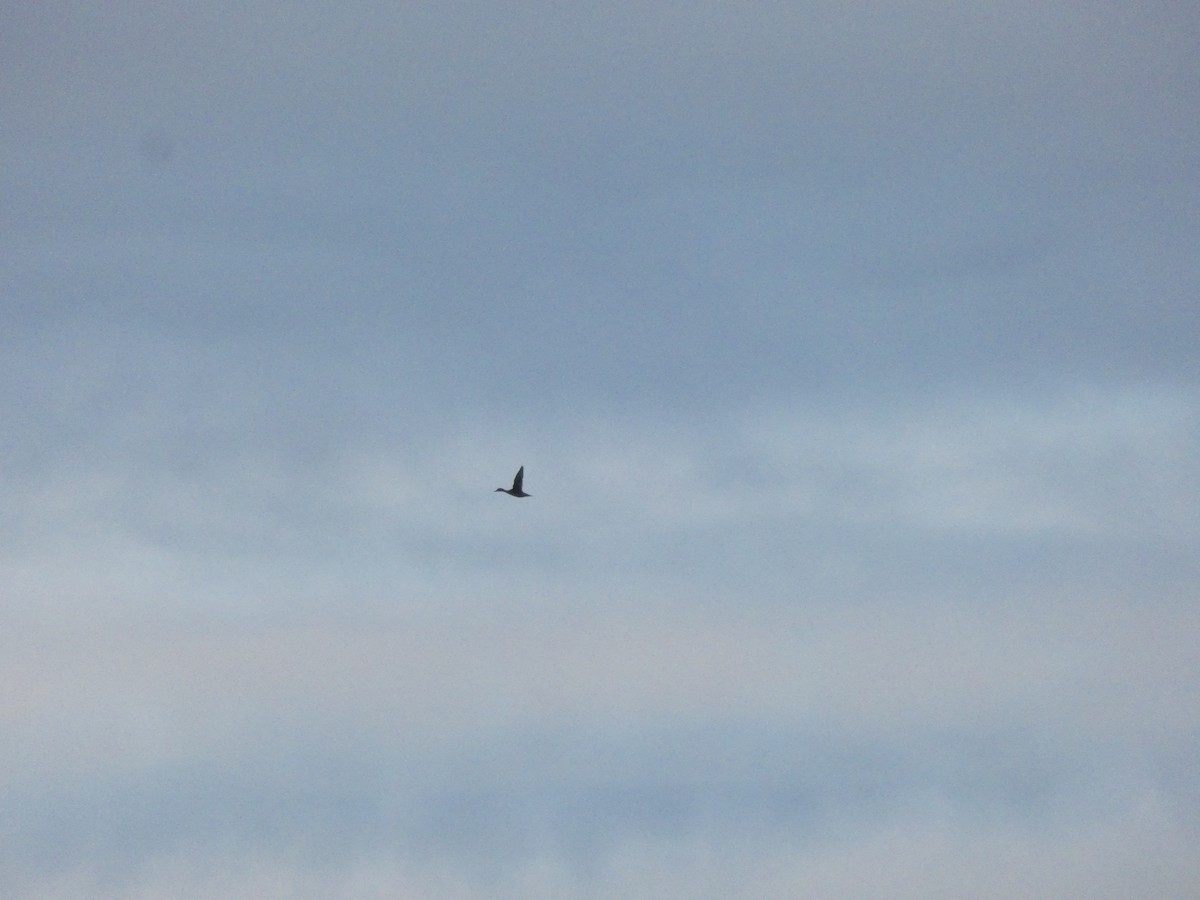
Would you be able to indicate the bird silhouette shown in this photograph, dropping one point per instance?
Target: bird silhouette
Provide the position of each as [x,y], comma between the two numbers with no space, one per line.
[515,490]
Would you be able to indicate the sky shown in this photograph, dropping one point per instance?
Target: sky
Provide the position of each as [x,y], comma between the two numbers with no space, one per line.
[851,353]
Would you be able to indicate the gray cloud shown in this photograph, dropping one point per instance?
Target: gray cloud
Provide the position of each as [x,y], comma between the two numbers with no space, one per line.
[850,352]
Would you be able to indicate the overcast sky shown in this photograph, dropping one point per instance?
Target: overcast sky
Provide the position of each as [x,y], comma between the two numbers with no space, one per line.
[851,352]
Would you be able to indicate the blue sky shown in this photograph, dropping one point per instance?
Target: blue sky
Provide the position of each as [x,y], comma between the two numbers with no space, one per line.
[850,350]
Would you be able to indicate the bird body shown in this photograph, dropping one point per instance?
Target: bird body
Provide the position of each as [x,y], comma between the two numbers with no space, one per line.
[515,490]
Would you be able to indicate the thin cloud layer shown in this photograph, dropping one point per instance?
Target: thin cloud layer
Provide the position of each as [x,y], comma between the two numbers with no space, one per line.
[464,752]
[764,501]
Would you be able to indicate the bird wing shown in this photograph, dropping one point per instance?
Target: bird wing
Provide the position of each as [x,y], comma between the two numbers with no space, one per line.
[519,479]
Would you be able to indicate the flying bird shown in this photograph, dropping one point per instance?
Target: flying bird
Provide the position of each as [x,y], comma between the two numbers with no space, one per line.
[515,490]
